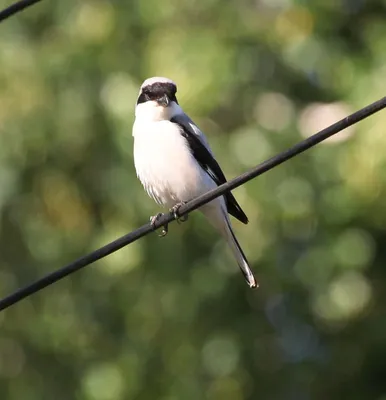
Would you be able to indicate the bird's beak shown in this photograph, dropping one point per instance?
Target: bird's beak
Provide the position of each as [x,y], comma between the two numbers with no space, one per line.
[163,101]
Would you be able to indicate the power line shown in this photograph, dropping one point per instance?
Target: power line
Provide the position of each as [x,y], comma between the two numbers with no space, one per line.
[283,156]
[192,205]
[15,8]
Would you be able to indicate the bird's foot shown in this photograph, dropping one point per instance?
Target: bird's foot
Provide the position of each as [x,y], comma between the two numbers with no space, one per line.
[175,209]
[165,228]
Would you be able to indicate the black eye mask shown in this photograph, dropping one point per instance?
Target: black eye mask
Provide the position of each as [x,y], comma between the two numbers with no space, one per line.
[157,91]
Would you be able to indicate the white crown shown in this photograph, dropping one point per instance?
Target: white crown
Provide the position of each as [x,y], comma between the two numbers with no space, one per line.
[157,79]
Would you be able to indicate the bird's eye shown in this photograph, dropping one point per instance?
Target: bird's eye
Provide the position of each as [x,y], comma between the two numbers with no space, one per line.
[153,96]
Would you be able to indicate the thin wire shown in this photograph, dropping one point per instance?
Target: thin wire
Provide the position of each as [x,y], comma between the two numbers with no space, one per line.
[191,205]
[15,8]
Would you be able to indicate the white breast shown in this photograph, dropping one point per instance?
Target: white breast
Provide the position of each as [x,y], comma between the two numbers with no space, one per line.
[165,164]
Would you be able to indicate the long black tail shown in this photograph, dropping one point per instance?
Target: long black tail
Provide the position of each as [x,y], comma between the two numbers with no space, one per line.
[239,255]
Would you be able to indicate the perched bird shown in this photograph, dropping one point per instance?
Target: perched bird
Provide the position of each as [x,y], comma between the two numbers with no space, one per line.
[175,164]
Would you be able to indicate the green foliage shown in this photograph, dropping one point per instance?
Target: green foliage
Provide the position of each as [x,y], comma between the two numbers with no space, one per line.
[173,318]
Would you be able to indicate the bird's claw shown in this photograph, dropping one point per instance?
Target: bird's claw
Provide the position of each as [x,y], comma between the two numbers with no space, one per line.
[165,228]
[175,209]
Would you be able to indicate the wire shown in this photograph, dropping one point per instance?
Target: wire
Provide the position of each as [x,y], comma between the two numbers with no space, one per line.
[282,157]
[15,8]
[192,205]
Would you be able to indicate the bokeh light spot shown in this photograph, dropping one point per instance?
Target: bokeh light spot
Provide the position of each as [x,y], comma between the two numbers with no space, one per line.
[295,196]
[103,382]
[318,116]
[354,248]
[274,111]
[93,21]
[250,146]
[220,356]
[345,298]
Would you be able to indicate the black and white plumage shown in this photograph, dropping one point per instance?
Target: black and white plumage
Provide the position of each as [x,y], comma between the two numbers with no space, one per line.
[175,164]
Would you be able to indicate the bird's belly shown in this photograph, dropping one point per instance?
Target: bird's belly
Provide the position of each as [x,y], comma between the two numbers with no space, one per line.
[167,169]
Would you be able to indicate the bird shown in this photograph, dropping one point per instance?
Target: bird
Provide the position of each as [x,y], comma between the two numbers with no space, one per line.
[174,163]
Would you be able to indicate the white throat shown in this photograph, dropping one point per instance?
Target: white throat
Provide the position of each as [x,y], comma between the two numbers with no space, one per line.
[151,111]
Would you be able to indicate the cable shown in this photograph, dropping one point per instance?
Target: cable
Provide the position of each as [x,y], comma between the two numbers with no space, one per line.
[15,8]
[284,156]
[191,205]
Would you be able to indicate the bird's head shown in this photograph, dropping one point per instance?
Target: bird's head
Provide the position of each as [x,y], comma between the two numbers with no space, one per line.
[157,99]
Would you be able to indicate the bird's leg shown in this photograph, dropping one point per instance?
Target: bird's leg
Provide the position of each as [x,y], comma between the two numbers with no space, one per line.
[175,209]
[165,228]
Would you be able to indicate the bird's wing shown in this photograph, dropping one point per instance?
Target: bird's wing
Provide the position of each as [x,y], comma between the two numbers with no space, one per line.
[203,154]
[187,124]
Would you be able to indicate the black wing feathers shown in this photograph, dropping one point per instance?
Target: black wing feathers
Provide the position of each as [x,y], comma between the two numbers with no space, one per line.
[211,167]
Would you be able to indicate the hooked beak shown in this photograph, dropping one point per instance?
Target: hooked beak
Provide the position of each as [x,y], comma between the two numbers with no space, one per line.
[163,101]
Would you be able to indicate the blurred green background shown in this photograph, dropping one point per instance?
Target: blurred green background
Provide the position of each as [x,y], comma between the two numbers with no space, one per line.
[172,318]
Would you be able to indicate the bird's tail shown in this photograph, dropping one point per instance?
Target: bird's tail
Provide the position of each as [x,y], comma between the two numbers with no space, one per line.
[239,254]
[217,214]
